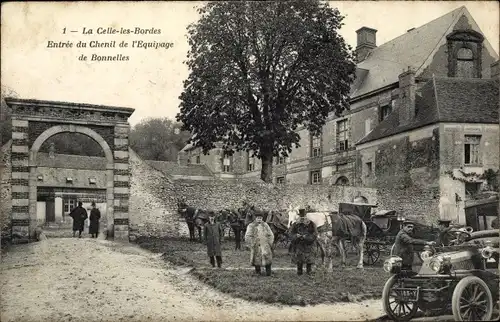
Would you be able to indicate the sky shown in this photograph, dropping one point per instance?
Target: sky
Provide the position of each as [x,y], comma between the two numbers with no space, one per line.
[151,80]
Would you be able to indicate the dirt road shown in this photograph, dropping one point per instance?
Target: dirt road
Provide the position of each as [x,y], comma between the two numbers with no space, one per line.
[96,280]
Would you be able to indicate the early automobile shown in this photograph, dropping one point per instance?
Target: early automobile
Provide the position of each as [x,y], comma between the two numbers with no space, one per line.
[463,276]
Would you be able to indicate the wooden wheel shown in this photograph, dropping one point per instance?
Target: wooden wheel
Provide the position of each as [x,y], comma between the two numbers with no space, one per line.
[472,300]
[395,306]
[371,254]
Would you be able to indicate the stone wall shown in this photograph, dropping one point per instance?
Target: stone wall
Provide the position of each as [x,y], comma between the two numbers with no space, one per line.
[5,190]
[421,205]
[219,194]
[152,207]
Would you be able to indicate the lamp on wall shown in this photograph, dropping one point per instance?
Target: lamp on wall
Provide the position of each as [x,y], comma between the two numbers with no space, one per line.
[92,180]
[40,177]
[69,180]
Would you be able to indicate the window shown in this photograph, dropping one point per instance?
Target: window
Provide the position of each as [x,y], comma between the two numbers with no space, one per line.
[369,169]
[198,161]
[368,126]
[226,163]
[385,111]
[280,160]
[316,146]
[465,63]
[251,163]
[68,205]
[342,138]
[280,180]
[471,146]
[315,177]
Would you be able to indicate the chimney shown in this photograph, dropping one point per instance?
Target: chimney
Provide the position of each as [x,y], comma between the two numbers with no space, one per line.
[494,70]
[367,40]
[407,92]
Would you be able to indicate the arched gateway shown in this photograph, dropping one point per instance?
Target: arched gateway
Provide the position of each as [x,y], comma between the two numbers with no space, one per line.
[34,122]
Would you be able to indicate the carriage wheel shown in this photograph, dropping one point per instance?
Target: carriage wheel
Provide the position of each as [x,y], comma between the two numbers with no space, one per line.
[371,254]
[472,300]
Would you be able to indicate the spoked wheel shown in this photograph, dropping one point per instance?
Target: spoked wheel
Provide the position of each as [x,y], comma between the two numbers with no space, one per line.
[472,300]
[371,254]
[395,305]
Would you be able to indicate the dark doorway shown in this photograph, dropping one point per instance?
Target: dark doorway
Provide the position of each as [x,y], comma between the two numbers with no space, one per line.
[50,210]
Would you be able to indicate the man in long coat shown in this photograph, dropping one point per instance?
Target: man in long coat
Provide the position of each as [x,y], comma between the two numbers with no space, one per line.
[259,237]
[403,246]
[213,233]
[79,215]
[94,217]
[303,235]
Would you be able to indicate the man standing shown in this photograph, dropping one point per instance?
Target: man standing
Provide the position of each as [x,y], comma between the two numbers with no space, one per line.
[213,234]
[94,217]
[303,236]
[260,238]
[403,246]
[79,215]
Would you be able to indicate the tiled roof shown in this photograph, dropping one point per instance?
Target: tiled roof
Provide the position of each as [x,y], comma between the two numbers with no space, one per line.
[412,49]
[456,100]
[173,169]
[70,161]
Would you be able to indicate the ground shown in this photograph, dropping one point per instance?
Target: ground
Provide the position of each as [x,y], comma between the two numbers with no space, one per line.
[284,286]
[65,279]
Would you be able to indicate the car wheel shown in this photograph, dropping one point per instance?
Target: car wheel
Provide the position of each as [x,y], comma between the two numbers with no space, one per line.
[472,300]
[393,306]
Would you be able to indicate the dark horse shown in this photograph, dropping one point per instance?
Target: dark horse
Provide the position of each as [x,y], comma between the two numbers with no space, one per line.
[272,218]
[236,220]
[195,218]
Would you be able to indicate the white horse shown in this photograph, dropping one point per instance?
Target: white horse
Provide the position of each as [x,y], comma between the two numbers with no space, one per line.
[333,231]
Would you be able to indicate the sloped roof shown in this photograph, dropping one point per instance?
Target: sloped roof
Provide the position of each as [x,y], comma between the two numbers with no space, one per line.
[456,100]
[414,49]
[70,161]
[174,169]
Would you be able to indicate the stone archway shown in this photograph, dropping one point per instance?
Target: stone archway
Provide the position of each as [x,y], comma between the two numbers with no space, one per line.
[342,181]
[33,122]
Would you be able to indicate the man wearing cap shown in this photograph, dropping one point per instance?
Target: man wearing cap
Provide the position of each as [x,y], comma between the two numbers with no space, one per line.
[213,233]
[403,246]
[303,236]
[94,217]
[259,238]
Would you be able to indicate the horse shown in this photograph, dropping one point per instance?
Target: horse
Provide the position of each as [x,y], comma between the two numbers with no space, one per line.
[195,219]
[237,224]
[333,229]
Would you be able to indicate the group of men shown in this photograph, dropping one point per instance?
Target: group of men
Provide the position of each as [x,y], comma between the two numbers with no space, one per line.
[79,215]
[259,239]
[303,234]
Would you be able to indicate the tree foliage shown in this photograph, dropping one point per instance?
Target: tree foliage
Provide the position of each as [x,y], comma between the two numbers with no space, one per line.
[158,139]
[259,70]
[5,121]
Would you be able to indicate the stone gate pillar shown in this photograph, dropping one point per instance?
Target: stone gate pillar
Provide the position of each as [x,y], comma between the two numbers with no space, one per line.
[20,181]
[121,182]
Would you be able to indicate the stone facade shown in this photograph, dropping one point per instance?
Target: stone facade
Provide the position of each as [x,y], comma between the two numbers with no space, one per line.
[5,191]
[375,94]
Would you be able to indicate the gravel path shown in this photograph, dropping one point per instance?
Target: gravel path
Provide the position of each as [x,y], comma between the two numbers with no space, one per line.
[96,280]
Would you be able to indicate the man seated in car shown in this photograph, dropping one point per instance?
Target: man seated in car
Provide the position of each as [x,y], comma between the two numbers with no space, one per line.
[443,238]
[403,246]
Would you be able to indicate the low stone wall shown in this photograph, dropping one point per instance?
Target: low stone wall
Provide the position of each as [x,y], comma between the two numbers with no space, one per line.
[220,194]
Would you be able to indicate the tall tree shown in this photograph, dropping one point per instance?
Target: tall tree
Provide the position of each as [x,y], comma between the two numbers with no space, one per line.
[158,139]
[259,70]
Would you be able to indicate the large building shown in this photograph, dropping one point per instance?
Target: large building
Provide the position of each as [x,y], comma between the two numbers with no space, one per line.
[423,106]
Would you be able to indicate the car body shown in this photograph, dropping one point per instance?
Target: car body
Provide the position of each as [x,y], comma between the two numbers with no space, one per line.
[464,276]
